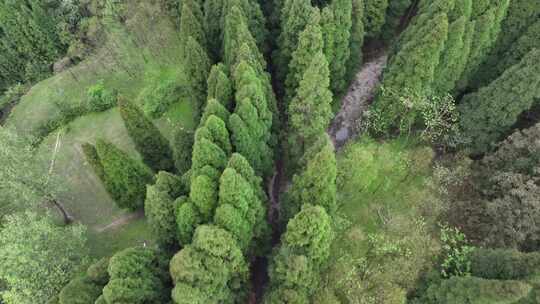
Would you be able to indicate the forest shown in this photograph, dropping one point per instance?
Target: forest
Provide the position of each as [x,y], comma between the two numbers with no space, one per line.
[269,151]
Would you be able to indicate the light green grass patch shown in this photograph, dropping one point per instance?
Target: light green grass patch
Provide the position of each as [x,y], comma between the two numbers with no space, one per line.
[135,233]
[146,45]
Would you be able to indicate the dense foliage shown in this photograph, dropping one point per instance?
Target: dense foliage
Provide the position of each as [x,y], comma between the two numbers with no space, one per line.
[267,168]
[38,257]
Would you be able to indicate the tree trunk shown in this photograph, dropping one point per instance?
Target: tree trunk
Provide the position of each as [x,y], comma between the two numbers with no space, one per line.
[67,218]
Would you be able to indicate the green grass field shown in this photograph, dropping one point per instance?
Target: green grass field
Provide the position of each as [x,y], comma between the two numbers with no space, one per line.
[137,54]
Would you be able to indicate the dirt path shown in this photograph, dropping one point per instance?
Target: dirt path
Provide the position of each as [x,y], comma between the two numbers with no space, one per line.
[121,221]
[356,101]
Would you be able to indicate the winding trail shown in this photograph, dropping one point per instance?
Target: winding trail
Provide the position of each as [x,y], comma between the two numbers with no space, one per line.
[121,221]
[345,125]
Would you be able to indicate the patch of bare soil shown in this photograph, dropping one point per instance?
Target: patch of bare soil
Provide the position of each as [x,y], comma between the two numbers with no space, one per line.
[121,221]
[356,101]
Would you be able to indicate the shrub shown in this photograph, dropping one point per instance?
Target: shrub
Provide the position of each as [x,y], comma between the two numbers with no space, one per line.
[100,98]
[456,253]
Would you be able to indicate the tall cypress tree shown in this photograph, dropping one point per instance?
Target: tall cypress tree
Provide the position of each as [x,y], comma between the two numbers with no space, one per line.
[395,11]
[197,66]
[191,23]
[214,11]
[305,247]
[211,269]
[316,183]
[487,18]
[153,147]
[126,178]
[374,16]
[159,209]
[295,16]
[310,43]
[526,43]
[411,69]
[489,114]
[310,110]
[342,10]
[457,47]
[236,34]
[357,37]
[219,86]
[522,14]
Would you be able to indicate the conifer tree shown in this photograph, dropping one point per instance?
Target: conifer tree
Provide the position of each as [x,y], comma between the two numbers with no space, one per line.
[374,16]
[295,15]
[219,86]
[197,66]
[328,26]
[310,43]
[395,11]
[211,269]
[137,275]
[412,69]
[489,114]
[151,144]
[251,122]
[217,15]
[305,247]
[214,108]
[171,184]
[236,34]
[191,23]
[342,11]
[246,136]
[207,153]
[126,178]
[487,19]
[310,111]
[357,37]
[316,183]
[93,160]
[214,129]
[517,37]
[456,50]
[214,11]
[182,146]
[238,206]
[159,210]
[526,43]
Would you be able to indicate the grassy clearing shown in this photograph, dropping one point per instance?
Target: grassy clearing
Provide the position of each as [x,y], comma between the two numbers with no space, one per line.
[106,243]
[135,53]
[84,196]
[138,54]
